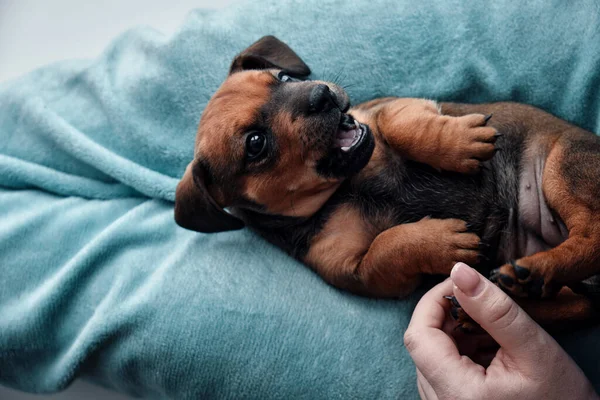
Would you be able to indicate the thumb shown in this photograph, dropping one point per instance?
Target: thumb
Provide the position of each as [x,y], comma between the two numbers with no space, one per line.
[497,313]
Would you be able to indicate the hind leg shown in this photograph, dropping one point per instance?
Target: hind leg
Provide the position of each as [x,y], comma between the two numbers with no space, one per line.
[571,187]
[566,312]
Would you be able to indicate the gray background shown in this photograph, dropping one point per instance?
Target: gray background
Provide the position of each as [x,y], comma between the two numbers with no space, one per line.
[36,32]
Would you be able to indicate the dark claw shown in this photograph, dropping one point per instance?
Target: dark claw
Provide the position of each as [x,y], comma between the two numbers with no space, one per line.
[487,118]
[497,149]
[498,134]
[453,301]
[483,244]
[520,272]
[494,275]
[507,280]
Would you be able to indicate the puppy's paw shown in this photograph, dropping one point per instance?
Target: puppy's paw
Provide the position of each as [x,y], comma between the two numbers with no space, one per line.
[471,142]
[464,322]
[444,243]
[521,281]
[459,244]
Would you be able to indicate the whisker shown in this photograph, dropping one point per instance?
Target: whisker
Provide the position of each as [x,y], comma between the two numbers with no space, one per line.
[335,80]
[328,75]
[342,74]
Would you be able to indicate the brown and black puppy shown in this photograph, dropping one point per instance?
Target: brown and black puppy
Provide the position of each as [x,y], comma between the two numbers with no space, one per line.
[373,197]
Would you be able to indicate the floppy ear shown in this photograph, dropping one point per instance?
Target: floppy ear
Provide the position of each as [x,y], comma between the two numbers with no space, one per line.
[195,209]
[270,52]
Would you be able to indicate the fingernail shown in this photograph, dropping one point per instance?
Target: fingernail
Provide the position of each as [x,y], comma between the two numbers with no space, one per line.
[466,279]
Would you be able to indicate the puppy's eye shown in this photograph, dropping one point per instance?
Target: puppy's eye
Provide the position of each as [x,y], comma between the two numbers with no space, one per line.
[256,144]
[283,77]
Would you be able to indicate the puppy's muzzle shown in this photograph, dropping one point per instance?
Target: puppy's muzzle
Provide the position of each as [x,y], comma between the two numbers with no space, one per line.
[321,99]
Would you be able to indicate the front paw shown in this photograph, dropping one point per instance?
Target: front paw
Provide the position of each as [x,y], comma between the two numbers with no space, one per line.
[521,281]
[469,142]
[458,244]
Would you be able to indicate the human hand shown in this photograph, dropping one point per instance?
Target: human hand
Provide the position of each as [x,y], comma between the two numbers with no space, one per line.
[528,365]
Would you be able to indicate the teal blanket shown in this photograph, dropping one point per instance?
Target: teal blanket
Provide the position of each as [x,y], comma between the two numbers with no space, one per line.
[96,279]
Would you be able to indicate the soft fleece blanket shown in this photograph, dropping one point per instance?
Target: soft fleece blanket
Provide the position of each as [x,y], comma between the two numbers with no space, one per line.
[96,279]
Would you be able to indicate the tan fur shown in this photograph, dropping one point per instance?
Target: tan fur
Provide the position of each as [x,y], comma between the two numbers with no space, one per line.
[292,187]
[352,253]
[336,251]
[233,108]
[416,130]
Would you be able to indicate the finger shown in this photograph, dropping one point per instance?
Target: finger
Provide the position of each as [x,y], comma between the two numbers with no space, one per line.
[430,311]
[498,314]
[425,389]
[434,353]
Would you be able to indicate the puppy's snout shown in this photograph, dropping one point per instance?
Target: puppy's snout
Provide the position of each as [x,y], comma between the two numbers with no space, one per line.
[321,99]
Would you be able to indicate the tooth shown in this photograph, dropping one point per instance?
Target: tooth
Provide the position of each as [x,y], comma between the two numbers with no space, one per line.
[346,148]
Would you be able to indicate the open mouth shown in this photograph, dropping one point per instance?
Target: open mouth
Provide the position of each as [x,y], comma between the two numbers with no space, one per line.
[349,134]
[351,148]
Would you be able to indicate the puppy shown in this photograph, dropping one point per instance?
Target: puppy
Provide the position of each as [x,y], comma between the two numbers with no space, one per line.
[375,196]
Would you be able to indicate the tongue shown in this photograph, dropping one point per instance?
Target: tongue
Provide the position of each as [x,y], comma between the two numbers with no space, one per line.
[344,142]
[346,134]
[345,138]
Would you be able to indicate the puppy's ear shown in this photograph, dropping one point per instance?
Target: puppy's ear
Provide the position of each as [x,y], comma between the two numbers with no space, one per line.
[195,209]
[270,52]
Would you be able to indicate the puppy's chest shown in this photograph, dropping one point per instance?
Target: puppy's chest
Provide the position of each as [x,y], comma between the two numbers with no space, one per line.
[405,192]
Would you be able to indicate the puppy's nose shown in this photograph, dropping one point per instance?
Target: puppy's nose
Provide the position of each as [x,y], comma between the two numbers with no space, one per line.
[321,99]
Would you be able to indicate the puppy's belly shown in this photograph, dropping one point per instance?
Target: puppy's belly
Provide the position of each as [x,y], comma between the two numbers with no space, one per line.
[537,228]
